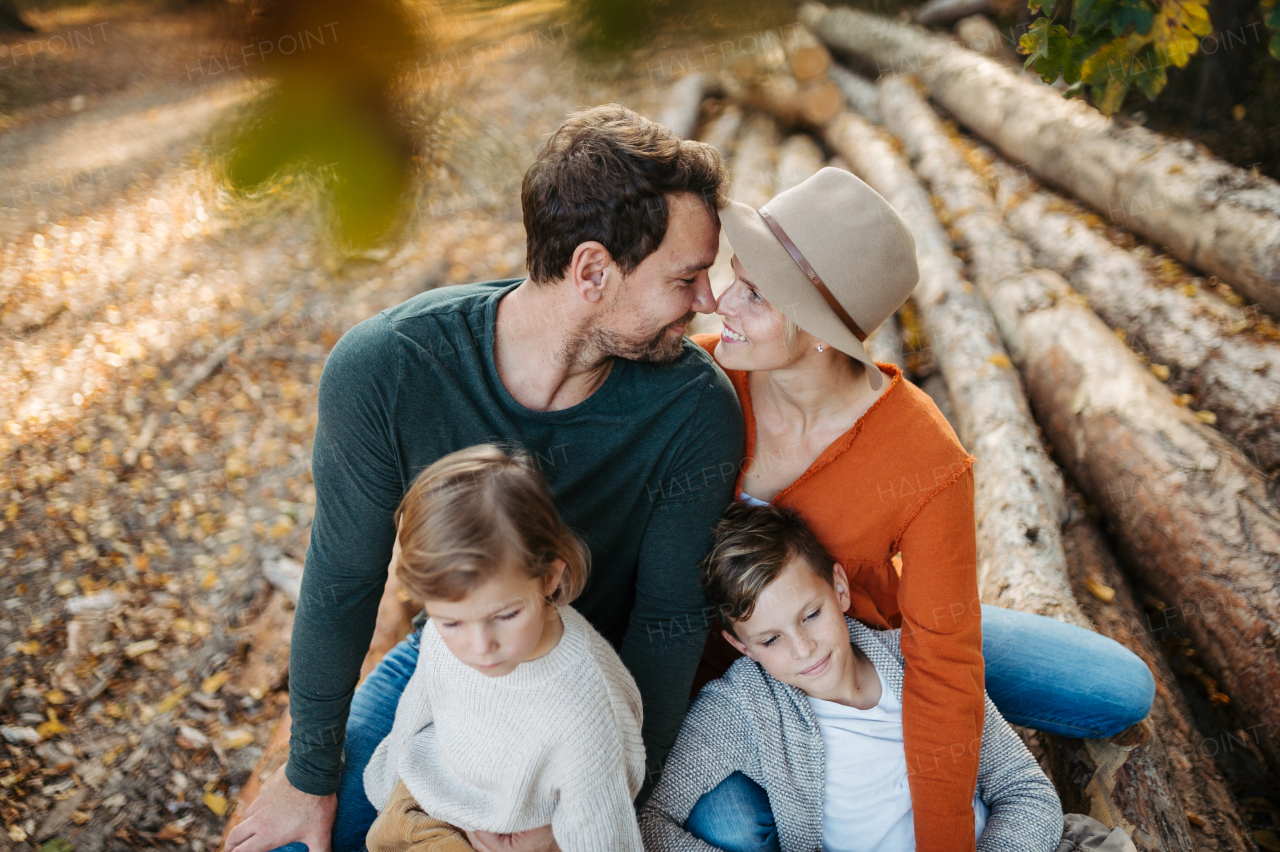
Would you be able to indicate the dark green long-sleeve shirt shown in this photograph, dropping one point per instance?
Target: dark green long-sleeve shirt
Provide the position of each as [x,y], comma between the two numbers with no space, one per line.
[641,470]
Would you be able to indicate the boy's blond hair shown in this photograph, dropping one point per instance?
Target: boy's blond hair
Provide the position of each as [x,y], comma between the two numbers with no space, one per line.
[475,513]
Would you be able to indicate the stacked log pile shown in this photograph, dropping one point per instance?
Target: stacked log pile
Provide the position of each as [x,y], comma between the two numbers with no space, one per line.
[1071,357]
[1220,218]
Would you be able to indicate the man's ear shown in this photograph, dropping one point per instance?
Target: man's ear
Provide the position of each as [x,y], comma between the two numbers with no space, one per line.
[841,582]
[733,640]
[587,270]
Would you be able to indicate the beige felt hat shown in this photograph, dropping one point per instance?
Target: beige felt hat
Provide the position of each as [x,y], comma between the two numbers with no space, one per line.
[831,254]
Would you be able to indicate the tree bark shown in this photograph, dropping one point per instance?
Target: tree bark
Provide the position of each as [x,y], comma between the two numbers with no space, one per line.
[795,105]
[1122,783]
[755,159]
[1204,341]
[753,164]
[1020,497]
[1210,805]
[979,34]
[721,132]
[944,13]
[788,79]
[1192,514]
[884,344]
[859,92]
[1018,490]
[1219,218]
[807,56]
[799,159]
[684,103]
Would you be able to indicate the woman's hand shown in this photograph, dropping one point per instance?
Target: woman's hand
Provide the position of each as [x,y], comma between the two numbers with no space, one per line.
[533,840]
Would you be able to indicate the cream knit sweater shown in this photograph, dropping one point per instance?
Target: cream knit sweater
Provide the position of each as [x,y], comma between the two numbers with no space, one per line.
[556,741]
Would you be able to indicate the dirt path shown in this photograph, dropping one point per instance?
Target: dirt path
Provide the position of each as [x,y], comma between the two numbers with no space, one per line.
[138,505]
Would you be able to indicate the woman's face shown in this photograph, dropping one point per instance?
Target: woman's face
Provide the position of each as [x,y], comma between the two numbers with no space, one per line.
[754,335]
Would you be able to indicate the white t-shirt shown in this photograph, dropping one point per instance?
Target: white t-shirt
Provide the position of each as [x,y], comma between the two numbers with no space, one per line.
[866,803]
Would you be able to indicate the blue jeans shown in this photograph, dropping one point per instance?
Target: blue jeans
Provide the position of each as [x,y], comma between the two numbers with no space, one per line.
[1040,673]
[373,711]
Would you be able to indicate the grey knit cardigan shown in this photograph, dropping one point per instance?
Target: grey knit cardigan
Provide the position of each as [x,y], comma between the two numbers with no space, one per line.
[750,722]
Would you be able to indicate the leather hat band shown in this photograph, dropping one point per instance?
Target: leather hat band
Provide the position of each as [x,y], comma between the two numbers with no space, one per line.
[809,273]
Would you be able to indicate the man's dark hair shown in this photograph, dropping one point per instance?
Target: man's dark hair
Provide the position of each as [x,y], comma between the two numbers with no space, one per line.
[604,175]
[753,544]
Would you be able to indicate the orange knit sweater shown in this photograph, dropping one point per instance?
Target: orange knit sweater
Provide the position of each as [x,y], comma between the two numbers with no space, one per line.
[899,482]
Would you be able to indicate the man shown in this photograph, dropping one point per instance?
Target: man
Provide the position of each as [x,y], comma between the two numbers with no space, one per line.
[585,365]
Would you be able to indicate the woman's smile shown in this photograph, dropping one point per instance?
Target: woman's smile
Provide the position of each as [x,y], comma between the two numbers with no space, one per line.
[728,335]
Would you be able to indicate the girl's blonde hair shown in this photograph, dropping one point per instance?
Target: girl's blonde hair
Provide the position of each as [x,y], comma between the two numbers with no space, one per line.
[478,512]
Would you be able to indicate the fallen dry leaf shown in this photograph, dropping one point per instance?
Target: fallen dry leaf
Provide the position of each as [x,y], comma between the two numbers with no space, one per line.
[214,682]
[172,700]
[1100,590]
[172,831]
[216,803]
[137,649]
[51,728]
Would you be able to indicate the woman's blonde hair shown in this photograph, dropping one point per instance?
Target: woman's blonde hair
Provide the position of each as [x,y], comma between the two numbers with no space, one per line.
[478,512]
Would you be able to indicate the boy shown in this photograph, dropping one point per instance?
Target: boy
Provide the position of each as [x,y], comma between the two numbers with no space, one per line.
[812,714]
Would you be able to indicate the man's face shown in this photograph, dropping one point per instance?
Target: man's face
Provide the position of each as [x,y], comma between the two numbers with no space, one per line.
[652,308]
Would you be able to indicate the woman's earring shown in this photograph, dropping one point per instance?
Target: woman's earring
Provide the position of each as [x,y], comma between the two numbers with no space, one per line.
[820,347]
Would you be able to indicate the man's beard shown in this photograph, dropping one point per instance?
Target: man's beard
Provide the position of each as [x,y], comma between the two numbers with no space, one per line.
[662,348]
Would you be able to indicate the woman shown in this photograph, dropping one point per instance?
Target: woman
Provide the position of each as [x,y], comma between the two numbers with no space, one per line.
[879,475]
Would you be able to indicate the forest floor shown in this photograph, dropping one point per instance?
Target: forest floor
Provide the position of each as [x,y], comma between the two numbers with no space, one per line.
[158,372]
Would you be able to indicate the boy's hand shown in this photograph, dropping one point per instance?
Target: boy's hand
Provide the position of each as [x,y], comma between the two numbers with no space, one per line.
[533,840]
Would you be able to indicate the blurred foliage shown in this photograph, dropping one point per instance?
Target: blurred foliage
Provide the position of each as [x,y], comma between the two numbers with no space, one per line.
[334,108]
[1112,45]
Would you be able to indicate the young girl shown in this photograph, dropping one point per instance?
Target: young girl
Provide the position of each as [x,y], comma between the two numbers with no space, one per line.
[519,714]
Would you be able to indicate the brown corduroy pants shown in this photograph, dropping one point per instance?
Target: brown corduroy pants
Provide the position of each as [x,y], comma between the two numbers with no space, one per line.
[402,826]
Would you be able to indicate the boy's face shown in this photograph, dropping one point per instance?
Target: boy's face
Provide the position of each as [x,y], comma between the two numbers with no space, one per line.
[797,632]
[500,623]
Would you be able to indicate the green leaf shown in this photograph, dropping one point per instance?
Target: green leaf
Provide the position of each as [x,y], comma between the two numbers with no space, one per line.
[1148,73]
[1274,46]
[1111,69]
[1093,14]
[1109,97]
[1049,47]
[1177,29]
[1112,60]
[56,845]
[1137,13]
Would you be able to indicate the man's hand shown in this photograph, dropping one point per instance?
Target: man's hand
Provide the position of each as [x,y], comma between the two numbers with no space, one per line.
[533,840]
[284,814]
